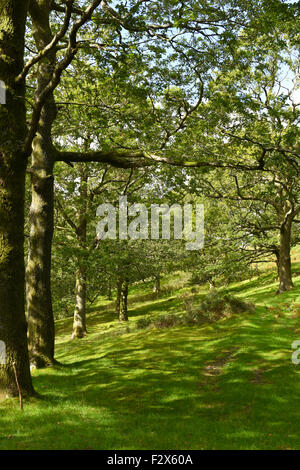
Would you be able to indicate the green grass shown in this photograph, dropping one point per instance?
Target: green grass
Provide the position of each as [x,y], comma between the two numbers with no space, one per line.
[226,385]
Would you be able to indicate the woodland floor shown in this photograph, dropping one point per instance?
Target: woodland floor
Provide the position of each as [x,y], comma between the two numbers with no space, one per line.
[226,385]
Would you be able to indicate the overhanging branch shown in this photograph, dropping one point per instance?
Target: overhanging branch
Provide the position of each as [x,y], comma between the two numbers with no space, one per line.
[120,158]
[34,60]
[55,79]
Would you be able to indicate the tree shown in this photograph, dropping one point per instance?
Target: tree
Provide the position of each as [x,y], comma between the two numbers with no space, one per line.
[16,141]
[83,188]
[252,115]
[39,299]
[13,326]
[38,283]
[264,208]
[207,28]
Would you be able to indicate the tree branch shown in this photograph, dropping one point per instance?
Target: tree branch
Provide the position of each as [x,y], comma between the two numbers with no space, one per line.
[55,79]
[50,46]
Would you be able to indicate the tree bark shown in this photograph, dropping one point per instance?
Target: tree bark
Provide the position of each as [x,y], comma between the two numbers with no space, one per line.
[277,254]
[13,326]
[109,291]
[118,299]
[285,270]
[124,302]
[38,273]
[79,324]
[156,288]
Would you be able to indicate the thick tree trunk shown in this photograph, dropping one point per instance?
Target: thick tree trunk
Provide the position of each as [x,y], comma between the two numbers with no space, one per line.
[13,326]
[285,270]
[124,302]
[79,325]
[38,273]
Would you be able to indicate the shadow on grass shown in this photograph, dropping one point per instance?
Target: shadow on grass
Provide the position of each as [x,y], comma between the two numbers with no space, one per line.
[227,385]
[156,390]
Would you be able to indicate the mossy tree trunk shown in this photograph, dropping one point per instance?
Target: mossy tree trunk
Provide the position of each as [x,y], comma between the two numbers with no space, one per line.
[124,302]
[156,288]
[277,260]
[38,273]
[118,299]
[284,265]
[13,326]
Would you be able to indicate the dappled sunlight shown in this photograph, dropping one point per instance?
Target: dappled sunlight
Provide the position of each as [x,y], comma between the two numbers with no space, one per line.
[226,384]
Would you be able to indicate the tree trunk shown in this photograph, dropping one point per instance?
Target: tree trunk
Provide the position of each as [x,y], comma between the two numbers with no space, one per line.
[118,299]
[38,273]
[109,292]
[156,288]
[277,254]
[285,271]
[124,302]
[79,325]
[13,326]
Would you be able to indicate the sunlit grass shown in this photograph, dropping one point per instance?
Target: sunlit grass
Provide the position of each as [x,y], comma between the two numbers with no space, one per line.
[227,385]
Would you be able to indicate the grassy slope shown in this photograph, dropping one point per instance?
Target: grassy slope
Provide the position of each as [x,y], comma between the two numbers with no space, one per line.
[230,385]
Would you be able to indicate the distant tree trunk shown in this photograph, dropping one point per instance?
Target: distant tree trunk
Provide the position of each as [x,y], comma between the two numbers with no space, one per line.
[277,254]
[38,272]
[212,284]
[124,302]
[118,299]
[109,293]
[285,270]
[79,325]
[156,288]
[13,326]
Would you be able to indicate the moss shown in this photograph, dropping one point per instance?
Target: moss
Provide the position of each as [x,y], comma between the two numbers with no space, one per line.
[12,188]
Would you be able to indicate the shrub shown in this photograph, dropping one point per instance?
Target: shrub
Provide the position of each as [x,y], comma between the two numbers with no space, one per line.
[143,323]
[166,321]
[194,318]
[237,305]
[215,305]
[188,301]
[162,321]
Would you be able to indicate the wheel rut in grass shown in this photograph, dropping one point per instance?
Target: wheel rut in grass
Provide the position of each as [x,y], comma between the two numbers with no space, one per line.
[258,377]
[214,369]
